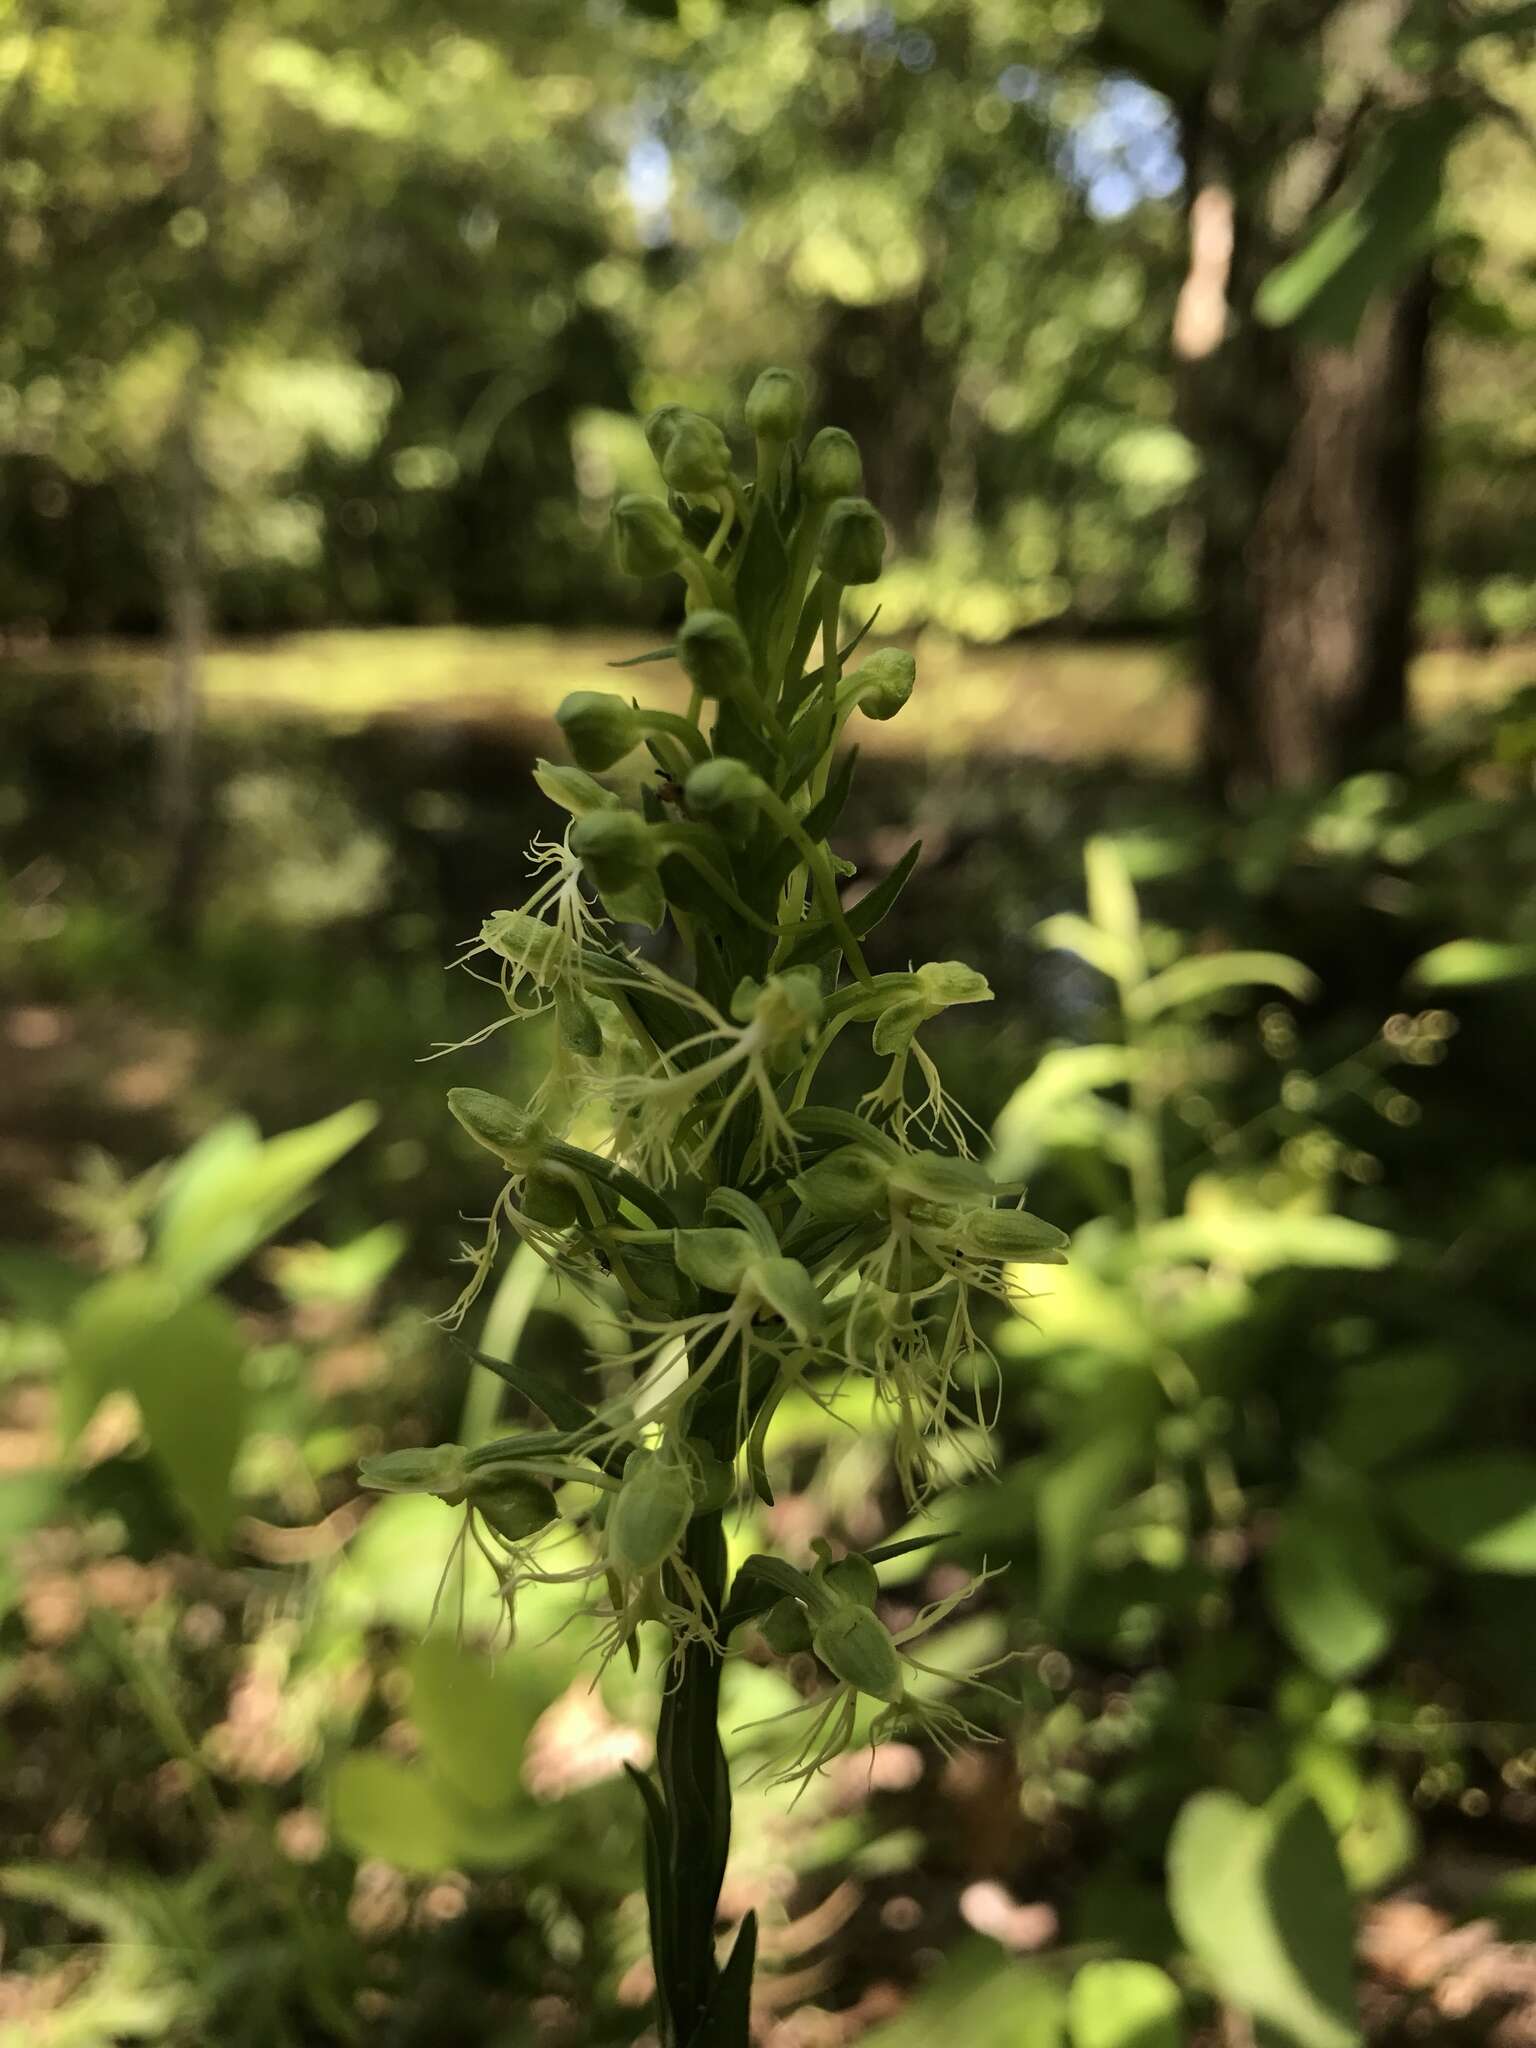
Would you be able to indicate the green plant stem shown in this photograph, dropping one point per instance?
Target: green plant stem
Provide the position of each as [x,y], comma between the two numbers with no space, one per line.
[695,1786]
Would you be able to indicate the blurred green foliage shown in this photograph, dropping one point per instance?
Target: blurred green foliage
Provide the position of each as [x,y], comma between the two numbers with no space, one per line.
[423,275]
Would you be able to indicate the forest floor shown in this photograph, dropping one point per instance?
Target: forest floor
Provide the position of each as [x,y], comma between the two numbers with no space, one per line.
[1058,700]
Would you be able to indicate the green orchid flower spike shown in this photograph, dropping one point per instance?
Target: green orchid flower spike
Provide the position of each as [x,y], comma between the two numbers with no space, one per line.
[687,942]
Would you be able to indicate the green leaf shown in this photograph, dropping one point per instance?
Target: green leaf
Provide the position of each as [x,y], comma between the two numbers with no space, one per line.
[1259,1898]
[39,1285]
[1266,1240]
[761,570]
[1112,957]
[1367,241]
[654,654]
[1385,1406]
[474,1718]
[1478,1509]
[1174,39]
[1122,2004]
[728,2021]
[1111,894]
[564,1409]
[1062,1076]
[392,1810]
[1082,1483]
[1474,963]
[181,1361]
[1328,1580]
[1205,975]
[232,1191]
[980,1998]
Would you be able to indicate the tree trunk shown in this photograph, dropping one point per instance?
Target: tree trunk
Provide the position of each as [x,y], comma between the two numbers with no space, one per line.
[1311,450]
[1309,550]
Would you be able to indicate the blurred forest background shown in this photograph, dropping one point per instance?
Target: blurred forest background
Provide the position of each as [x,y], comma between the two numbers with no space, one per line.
[1189,347]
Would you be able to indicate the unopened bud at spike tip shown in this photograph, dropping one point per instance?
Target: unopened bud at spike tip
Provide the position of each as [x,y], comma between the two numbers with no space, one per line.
[833,467]
[712,653]
[884,682]
[648,536]
[519,1140]
[714,784]
[619,855]
[775,409]
[852,547]
[599,727]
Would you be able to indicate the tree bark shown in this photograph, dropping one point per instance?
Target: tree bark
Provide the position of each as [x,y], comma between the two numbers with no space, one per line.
[1309,550]
[1311,451]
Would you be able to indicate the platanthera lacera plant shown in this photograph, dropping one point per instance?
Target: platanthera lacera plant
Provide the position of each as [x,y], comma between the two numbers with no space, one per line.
[688,942]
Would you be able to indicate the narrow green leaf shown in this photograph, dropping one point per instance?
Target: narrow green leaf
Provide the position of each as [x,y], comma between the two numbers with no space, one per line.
[1371,237]
[1205,975]
[473,1718]
[727,2023]
[1474,963]
[655,654]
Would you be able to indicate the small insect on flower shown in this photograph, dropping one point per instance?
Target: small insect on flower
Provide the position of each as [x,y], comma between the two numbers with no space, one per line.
[868,1661]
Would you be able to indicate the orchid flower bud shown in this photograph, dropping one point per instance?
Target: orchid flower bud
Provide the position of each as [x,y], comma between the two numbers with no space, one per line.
[714,1258]
[786,1627]
[515,1506]
[852,546]
[943,984]
[846,1185]
[647,1520]
[715,784]
[713,655]
[856,1646]
[1015,1235]
[552,1199]
[520,1141]
[648,536]
[832,467]
[618,854]
[784,1286]
[660,425]
[441,1470]
[775,408]
[850,1580]
[696,457]
[884,682]
[599,727]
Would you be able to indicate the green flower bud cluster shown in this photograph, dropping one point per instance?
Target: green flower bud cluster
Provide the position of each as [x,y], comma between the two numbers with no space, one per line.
[683,1160]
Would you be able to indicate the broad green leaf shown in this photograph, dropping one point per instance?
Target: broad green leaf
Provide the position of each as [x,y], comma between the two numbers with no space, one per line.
[983,1999]
[1204,975]
[1511,1900]
[1384,1406]
[1328,1579]
[1124,2004]
[1478,1509]
[181,1361]
[1382,1838]
[232,1191]
[392,1810]
[1373,235]
[474,1718]
[1474,963]
[1259,1897]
